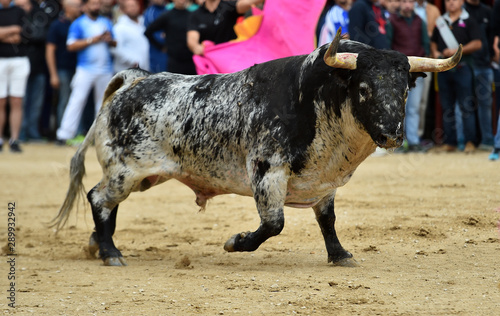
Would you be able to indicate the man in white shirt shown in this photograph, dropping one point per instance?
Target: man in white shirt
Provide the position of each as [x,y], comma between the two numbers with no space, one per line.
[132,46]
[91,37]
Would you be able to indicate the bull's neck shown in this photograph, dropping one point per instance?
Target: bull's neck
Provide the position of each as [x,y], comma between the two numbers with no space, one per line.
[341,143]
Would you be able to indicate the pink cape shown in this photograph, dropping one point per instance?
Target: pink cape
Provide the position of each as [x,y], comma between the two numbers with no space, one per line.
[287,29]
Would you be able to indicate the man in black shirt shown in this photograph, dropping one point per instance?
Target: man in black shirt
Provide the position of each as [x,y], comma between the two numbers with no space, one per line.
[214,21]
[174,24]
[14,70]
[483,73]
[456,84]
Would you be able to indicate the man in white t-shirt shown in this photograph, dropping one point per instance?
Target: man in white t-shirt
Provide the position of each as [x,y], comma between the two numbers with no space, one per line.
[91,37]
[132,46]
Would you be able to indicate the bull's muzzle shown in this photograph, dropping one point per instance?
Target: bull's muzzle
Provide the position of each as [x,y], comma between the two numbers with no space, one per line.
[388,141]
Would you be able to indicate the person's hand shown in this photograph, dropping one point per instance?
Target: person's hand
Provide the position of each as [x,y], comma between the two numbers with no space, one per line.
[12,39]
[448,52]
[436,54]
[199,49]
[496,56]
[54,82]
[15,29]
[105,37]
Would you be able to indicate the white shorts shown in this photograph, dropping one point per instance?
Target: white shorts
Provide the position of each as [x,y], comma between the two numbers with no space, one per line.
[14,72]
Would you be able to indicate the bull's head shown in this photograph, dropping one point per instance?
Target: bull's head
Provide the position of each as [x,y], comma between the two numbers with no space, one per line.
[378,85]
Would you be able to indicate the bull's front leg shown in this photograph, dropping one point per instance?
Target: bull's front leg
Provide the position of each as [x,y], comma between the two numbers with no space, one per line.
[269,186]
[325,215]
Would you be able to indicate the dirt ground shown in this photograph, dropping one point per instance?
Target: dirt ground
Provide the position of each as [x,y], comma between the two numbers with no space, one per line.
[422,226]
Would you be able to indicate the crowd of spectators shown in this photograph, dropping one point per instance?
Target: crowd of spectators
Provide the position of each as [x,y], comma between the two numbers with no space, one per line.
[419,28]
[54,55]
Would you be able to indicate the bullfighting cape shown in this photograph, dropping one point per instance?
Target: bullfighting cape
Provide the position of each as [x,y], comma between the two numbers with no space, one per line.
[287,29]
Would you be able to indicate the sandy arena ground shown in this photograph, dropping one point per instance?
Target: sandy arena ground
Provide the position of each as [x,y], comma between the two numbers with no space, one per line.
[423,228]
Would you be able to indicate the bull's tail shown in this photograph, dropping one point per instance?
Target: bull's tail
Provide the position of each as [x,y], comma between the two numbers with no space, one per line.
[76,190]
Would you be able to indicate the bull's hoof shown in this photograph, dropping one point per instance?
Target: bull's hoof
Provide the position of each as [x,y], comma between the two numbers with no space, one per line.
[93,245]
[346,262]
[232,244]
[115,261]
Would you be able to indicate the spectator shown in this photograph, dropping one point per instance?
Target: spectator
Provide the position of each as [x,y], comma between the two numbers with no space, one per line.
[496,60]
[132,47]
[456,84]
[173,23]
[51,8]
[392,6]
[35,27]
[429,14]
[214,21]
[107,8]
[90,36]
[367,24]
[157,57]
[483,73]
[61,62]
[404,25]
[190,6]
[321,20]
[14,70]
[117,11]
[337,16]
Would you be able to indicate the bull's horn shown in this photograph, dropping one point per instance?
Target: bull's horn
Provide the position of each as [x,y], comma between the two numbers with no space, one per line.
[339,60]
[420,64]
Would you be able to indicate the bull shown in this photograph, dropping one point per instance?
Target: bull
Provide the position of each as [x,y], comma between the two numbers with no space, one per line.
[287,132]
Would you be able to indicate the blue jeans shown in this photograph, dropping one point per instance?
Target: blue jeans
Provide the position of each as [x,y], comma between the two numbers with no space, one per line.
[32,106]
[497,91]
[412,117]
[157,60]
[456,85]
[65,77]
[484,95]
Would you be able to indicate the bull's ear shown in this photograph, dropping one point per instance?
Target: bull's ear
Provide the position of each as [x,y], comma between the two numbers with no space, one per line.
[414,76]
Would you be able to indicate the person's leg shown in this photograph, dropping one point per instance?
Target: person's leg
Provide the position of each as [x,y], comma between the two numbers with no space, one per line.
[459,126]
[496,75]
[423,103]
[26,109]
[412,112]
[463,80]
[65,77]
[100,84]
[37,100]
[16,116]
[483,90]
[3,95]
[447,99]
[80,87]
[3,108]
[17,89]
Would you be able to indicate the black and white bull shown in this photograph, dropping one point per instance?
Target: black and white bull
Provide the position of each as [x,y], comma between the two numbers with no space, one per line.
[287,132]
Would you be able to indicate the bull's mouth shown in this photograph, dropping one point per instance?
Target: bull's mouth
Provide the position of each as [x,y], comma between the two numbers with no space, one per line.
[389,141]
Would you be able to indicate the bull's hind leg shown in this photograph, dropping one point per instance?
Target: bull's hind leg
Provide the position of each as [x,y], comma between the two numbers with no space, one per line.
[104,199]
[269,188]
[325,215]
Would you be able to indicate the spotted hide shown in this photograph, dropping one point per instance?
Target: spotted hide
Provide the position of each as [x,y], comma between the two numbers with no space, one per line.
[287,132]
